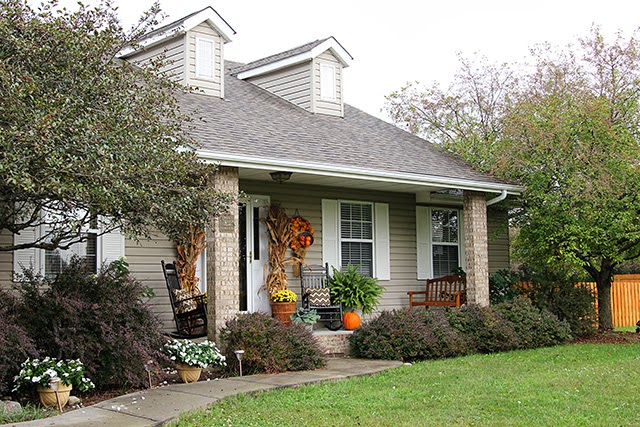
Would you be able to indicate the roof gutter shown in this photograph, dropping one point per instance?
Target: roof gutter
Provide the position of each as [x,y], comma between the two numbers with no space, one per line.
[357,173]
[500,198]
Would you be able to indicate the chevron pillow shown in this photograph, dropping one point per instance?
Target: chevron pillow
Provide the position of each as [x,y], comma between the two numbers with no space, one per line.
[183,302]
[319,297]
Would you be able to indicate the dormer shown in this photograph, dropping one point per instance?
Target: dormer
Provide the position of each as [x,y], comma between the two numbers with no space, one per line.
[309,76]
[194,50]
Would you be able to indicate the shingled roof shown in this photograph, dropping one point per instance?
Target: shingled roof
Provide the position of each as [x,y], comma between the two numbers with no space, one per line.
[307,47]
[251,122]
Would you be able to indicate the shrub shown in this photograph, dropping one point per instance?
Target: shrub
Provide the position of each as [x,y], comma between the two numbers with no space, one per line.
[565,296]
[503,286]
[269,345]
[407,335]
[15,344]
[97,318]
[533,327]
[483,329]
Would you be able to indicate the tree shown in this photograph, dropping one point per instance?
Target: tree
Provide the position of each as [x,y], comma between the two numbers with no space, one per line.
[84,136]
[568,131]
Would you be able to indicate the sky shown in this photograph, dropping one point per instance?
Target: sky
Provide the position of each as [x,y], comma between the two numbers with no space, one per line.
[400,41]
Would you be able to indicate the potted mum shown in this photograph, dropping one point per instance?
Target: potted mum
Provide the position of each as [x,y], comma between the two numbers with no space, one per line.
[283,305]
[49,370]
[192,357]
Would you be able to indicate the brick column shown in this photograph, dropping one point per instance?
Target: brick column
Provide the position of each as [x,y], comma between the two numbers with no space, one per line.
[223,276]
[476,249]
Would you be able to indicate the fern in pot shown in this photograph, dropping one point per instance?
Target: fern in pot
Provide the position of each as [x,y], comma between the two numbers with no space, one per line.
[355,291]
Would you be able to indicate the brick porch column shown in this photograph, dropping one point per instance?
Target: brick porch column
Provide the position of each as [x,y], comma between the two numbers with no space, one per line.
[223,276]
[476,249]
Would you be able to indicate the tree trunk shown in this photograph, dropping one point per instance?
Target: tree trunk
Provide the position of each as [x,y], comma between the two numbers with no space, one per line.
[603,282]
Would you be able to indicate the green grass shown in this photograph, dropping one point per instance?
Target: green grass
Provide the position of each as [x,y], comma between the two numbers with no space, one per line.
[573,385]
[27,413]
[625,329]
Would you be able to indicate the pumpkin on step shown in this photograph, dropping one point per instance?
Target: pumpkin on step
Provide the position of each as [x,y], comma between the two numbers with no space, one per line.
[351,320]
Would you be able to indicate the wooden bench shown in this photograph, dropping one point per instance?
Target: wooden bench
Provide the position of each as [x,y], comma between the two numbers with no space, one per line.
[447,291]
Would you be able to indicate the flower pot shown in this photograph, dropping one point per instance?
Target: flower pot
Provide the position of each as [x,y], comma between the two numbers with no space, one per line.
[283,311]
[48,396]
[188,373]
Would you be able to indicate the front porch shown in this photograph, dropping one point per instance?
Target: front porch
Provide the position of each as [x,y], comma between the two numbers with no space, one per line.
[408,253]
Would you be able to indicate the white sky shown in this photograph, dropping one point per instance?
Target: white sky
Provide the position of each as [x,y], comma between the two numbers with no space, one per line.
[399,41]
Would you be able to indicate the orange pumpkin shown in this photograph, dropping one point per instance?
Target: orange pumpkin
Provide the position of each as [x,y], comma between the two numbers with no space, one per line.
[351,320]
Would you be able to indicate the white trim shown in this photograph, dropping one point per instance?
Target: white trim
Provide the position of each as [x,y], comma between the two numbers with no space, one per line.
[331,44]
[208,15]
[423,242]
[260,163]
[330,233]
[381,242]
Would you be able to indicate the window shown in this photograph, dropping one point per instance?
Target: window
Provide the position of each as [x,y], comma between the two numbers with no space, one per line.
[205,55]
[444,241]
[356,236]
[327,82]
[56,260]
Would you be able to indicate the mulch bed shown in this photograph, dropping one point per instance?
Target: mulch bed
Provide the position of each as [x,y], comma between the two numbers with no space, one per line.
[610,338]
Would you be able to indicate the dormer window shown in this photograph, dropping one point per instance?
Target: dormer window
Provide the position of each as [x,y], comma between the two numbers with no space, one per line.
[205,57]
[327,82]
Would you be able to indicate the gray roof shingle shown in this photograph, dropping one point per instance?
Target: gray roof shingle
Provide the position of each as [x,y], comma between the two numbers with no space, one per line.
[255,123]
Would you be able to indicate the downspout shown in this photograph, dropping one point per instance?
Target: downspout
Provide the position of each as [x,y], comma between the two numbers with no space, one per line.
[500,198]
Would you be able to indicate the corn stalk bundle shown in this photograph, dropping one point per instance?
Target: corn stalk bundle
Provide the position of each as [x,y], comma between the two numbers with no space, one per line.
[280,237]
[188,251]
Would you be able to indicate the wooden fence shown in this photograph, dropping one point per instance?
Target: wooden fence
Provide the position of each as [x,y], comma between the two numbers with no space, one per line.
[625,299]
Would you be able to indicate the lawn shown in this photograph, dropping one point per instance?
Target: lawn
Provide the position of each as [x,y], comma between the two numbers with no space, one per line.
[572,385]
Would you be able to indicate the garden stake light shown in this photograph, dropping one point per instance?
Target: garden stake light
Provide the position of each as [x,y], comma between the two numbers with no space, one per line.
[239,355]
[54,383]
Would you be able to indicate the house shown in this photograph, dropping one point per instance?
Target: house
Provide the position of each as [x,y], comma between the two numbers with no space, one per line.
[279,129]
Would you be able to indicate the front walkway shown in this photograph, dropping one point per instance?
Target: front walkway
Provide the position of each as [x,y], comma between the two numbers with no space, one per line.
[158,405]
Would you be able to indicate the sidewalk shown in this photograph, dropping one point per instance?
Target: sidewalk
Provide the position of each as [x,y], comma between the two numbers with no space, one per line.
[158,405]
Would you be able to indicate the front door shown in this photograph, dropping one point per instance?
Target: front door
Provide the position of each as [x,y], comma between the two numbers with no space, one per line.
[254,254]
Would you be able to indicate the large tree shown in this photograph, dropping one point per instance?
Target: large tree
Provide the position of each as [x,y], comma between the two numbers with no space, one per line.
[85,136]
[566,127]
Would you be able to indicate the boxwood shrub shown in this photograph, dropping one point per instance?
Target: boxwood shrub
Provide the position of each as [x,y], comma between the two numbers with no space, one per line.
[269,345]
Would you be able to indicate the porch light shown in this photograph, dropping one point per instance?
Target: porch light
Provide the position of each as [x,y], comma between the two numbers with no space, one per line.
[239,355]
[280,176]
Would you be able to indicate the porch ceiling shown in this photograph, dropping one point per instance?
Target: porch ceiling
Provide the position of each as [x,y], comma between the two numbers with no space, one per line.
[340,182]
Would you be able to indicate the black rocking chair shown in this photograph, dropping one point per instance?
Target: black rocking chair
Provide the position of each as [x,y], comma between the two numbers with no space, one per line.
[189,312]
[314,281]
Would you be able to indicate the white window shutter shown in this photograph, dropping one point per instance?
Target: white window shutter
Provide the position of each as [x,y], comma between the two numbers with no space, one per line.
[330,219]
[382,251]
[423,243]
[25,258]
[111,247]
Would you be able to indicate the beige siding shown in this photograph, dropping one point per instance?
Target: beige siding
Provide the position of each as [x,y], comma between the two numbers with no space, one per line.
[332,108]
[6,261]
[209,87]
[292,83]
[498,233]
[174,56]
[308,202]
[144,263]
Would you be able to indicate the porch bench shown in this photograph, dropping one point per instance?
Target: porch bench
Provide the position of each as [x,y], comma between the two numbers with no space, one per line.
[447,291]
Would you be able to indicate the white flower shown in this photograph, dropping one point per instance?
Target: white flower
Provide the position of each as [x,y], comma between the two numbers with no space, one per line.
[35,379]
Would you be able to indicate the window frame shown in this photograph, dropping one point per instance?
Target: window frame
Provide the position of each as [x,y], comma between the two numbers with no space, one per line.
[199,59]
[328,90]
[371,241]
[433,243]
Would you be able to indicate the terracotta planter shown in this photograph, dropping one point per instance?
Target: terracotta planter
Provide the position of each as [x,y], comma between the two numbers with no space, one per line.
[188,373]
[48,396]
[283,311]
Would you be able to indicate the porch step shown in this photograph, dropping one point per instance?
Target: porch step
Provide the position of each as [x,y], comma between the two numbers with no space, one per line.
[333,343]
